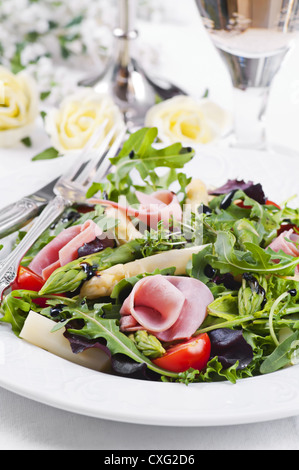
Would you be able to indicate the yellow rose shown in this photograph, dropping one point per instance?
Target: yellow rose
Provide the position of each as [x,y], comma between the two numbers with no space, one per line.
[18,106]
[184,119]
[72,124]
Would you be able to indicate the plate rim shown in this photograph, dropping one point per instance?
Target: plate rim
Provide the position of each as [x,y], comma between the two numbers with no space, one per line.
[281,381]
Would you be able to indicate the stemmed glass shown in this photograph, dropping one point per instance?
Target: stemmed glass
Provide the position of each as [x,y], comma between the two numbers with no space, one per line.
[253,38]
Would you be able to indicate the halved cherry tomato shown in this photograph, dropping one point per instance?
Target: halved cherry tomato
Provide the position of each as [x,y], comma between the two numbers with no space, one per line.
[27,279]
[193,353]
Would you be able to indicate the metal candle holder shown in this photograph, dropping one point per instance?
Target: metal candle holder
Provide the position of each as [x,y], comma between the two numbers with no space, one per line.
[133,91]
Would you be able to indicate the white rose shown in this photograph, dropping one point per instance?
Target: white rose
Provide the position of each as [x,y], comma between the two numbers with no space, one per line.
[18,106]
[187,120]
[78,116]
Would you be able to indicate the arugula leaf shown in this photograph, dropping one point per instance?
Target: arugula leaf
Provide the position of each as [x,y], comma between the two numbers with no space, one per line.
[18,303]
[215,372]
[280,357]
[247,231]
[255,259]
[96,327]
[197,266]
[15,309]
[261,219]
[225,307]
[138,154]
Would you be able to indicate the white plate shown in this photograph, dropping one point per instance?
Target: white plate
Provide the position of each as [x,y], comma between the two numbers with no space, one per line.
[41,376]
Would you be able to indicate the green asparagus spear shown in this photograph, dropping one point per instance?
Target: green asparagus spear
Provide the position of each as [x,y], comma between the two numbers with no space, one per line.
[68,278]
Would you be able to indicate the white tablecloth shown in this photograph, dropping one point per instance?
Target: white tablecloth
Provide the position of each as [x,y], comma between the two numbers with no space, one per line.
[27,425]
[189,60]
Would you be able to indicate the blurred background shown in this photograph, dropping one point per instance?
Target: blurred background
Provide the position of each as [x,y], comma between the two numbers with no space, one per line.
[61,42]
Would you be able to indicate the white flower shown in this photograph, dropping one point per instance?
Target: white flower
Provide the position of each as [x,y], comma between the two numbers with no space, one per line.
[72,124]
[18,106]
[187,120]
[31,52]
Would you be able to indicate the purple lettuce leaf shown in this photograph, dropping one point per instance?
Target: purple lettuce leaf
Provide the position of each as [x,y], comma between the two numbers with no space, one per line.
[230,346]
[120,364]
[252,190]
[79,343]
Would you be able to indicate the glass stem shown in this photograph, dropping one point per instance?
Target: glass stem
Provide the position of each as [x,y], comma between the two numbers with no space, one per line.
[249,117]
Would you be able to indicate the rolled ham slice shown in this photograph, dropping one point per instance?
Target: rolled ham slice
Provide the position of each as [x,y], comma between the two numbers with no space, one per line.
[288,247]
[159,206]
[64,248]
[154,303]
[170,307]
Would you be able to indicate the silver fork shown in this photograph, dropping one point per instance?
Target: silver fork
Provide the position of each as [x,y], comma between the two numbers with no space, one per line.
[70,188]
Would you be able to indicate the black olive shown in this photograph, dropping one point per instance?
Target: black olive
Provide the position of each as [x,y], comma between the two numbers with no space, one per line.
[228,281]
[98,244]
[89,270]
[56,310]
[226,201]
[209,271]
[292,292]
[203,209]
[71,216]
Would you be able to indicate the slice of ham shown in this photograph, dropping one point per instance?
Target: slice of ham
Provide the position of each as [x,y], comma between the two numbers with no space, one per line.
[282,243]
[159,206]
[170,307]
[288,242]
[155,303]
[64,248]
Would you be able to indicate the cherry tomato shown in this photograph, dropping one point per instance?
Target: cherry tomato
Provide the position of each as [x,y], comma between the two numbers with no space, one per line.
[267,203]
[242,205]
[194,353]
[285,227]
[27,279]
[271,203]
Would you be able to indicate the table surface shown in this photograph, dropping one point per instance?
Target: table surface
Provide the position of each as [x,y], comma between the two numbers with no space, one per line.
[30,425]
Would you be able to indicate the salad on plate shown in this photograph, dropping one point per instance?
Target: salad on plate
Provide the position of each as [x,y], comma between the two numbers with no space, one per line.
[159,277]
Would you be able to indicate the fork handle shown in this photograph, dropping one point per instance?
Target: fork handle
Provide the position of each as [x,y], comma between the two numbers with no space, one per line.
[16,215]
[9,267]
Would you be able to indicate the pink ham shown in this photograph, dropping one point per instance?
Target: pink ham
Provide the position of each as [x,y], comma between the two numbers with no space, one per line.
[170,307]
[282,243]
[288,242]
[64,248]
[161,205]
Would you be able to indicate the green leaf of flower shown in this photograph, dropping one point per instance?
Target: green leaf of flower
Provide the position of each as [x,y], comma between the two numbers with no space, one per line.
[47,154]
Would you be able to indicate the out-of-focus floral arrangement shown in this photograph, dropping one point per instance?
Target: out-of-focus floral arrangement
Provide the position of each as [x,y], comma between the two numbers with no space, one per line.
[19,106]
[47,46]
[189,120]
[50,37]
[72,124]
